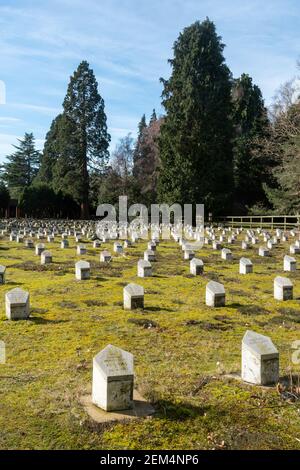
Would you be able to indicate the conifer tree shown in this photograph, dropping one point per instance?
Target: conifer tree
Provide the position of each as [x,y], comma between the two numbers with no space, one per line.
[153,117]
[251,124]
[195,142]
[137,151]
[22,165]
[84,106]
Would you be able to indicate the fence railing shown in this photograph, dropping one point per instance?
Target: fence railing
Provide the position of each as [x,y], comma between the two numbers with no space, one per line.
[263,221]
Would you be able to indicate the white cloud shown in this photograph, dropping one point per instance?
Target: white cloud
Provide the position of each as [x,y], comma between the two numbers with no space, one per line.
[7,119]
[37,108]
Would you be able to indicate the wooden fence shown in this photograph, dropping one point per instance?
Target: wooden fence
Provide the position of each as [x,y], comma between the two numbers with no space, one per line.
[263,221]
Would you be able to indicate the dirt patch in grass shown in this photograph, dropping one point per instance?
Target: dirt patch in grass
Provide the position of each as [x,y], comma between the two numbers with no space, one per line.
[143,322]
[97,317]
[237,292]
[291,314]
[252,310]
[208,326]
[68,304]
[95,303]
[38,310]
[212,276]
[178,302]
[288,317]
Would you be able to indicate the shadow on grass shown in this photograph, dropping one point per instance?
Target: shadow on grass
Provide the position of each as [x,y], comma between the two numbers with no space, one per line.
[44,321]
[166,409]
[250,309]
[158,309]
[235,305]
[14,283]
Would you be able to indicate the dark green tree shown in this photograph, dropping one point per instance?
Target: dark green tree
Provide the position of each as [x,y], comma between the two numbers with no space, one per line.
[153,117]
[59,166]
[137,155]
[195,143]
[40,200]
[4,197]
[84,106]
[251,124]
[50,152]
[22,165]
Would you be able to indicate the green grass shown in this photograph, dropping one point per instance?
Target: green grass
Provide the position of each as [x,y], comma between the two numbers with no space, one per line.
[181,360]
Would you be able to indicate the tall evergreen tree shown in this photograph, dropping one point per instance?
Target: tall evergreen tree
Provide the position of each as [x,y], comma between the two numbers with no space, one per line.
[195,142]
[251,124]
[84,106]
[153,117]
[51,152]
[4,198]
[137,151]
[22,165]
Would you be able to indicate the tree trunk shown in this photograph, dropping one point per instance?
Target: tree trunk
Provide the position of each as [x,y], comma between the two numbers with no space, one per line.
[84,210]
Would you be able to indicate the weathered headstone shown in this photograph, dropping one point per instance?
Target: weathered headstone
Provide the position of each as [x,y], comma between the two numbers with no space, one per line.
[144,268]
[294,250]
[133,296]
[105,256]
[149,255]
[17,304]
[215,294]
[64,243]
[82,270]
[216,245]
[226,254]
[289,263]
[260,359]
[113,377]
[196,266]
[81,250]
[39,248]
[46,257]
[283,288]
[127,243]
[263,251]
[246,266]
[29,243]
[118,247]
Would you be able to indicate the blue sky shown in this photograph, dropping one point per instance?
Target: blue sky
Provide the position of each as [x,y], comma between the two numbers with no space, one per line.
[128,43]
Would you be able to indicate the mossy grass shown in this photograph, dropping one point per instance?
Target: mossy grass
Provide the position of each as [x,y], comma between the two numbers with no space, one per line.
[49,357]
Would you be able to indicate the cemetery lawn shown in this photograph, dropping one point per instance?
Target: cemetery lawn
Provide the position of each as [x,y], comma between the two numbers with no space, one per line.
[183,350]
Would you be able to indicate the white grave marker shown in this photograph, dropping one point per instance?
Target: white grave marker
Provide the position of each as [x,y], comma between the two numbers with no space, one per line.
[260,359]
[113,379]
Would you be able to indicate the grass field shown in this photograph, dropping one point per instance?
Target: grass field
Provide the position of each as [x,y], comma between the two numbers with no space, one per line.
[183,350]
